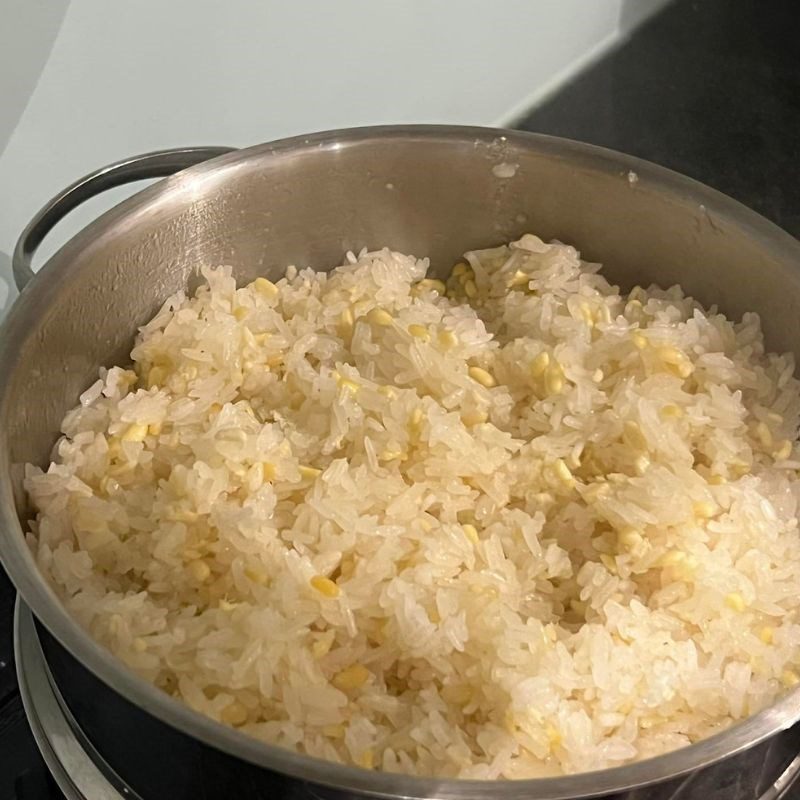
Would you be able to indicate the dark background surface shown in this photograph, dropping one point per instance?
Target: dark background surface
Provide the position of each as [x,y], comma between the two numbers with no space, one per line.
[710,88]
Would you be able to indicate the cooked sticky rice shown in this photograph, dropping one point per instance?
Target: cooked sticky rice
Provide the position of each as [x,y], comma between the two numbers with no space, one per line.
[510,525]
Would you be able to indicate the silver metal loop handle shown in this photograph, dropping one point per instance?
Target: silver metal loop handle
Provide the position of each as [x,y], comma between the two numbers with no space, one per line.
[159,164]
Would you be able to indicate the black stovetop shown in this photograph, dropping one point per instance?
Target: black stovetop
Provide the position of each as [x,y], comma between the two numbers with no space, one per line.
[23,774]
[710,88]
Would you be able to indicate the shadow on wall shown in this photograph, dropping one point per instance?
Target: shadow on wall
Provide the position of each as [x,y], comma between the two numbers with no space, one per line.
[633,12]
[27,36]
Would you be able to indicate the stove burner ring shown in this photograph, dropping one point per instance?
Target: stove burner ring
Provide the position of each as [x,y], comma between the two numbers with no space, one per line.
[77,768]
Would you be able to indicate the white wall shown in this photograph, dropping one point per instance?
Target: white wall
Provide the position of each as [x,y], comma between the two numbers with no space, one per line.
[127,77]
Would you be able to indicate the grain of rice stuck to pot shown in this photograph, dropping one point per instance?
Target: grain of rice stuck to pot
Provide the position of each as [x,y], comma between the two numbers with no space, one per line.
[510,525]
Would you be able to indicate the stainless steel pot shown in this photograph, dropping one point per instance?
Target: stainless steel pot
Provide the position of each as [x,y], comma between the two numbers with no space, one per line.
[426,190]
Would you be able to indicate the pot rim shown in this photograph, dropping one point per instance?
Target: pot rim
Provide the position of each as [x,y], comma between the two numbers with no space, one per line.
[40,597]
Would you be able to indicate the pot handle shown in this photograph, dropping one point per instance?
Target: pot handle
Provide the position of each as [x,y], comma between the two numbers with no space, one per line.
[159,164]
